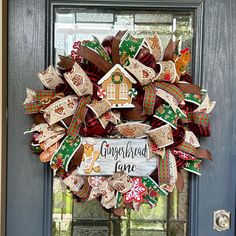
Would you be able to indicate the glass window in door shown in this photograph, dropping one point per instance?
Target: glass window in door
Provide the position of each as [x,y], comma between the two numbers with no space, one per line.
[73,218]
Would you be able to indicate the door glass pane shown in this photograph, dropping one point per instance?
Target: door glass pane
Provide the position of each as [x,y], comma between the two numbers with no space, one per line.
[72,218]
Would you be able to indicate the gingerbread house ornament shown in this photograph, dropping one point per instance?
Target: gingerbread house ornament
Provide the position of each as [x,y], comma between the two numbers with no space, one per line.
[117,83]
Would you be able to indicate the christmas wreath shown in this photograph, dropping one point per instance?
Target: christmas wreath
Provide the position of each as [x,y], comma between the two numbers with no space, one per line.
[119,120]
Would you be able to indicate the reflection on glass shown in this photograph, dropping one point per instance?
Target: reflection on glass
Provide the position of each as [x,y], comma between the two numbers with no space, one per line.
[80,24]
[71,218]
[62,209]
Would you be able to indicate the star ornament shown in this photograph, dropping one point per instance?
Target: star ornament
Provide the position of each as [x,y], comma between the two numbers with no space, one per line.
[187,164]
[136,192]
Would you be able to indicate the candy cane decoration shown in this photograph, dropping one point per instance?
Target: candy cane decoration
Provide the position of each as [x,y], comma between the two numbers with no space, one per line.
[133,92]
[101,93]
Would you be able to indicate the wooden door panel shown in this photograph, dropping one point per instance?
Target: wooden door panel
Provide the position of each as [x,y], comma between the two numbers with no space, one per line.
[217,183]
[25,175]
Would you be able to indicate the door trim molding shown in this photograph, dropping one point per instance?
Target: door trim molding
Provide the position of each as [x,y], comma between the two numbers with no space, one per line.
[3,115]
[197,6]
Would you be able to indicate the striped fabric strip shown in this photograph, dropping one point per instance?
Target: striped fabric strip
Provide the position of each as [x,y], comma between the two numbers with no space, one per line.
[84,191]
[172,89]
[147,59]
[92,121]
[205,131]
[180,162]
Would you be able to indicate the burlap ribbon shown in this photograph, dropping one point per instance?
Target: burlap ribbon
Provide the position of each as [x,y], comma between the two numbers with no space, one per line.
[46,131]
[170,49]
[115,46]
[94,58]
[180,182]
[189,88]
[120,182]
[65,63]
[60,109]
[204,154]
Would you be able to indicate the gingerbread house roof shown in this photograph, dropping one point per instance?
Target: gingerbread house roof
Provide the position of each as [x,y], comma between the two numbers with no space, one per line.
[117,66]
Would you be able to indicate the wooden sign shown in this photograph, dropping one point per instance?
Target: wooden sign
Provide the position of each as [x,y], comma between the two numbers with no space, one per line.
[107,156]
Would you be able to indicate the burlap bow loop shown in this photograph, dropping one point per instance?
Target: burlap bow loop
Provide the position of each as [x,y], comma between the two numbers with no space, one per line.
[107,188]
